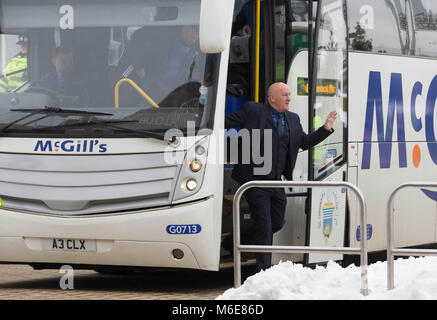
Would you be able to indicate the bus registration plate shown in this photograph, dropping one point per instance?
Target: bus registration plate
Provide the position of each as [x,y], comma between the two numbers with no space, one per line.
[77,245]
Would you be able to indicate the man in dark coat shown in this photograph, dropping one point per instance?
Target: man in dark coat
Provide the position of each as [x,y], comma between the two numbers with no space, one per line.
[59,78]
[267,205]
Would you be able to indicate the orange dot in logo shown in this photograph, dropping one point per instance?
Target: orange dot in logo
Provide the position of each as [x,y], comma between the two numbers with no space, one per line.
[56,150]
[416,156]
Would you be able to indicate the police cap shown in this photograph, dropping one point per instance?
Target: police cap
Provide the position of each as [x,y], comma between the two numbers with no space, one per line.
[22,41]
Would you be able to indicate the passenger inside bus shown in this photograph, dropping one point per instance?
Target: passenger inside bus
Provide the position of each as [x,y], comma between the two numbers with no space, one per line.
[178,62]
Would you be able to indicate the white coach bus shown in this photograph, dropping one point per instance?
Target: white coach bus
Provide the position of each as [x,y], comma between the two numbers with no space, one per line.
[111,151]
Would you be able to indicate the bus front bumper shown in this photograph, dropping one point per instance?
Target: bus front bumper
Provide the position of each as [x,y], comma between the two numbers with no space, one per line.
[153,238]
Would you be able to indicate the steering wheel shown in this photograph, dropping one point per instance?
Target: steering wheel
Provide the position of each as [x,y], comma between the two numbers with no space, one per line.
[52,94]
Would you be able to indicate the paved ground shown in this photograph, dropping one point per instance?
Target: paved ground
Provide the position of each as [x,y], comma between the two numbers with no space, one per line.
[23,282]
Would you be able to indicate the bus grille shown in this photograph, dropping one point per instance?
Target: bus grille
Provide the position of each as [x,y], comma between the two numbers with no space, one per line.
[91,184]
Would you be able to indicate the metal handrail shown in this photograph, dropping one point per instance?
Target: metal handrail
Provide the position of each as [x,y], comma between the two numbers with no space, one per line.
[391,251]
[136,87]
[238,248]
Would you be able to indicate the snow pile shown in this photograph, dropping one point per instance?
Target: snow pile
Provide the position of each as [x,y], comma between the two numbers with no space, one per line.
[415,278]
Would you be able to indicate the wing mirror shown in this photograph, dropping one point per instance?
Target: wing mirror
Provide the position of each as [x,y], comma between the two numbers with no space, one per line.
[215,25]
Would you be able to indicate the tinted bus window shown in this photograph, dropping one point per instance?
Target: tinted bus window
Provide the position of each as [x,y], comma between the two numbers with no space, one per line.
[378,26]
[291,33]
[424,42]
[297,36]
[280,45]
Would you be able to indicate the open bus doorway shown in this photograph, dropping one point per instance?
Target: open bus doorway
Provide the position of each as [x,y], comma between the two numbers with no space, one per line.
[283,56]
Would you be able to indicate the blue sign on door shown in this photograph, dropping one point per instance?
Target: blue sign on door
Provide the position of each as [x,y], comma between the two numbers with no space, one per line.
[369,232]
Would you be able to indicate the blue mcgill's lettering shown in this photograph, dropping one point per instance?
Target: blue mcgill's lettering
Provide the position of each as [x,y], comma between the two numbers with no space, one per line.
[374,108]
[43,146]
[429,119]
[77,146]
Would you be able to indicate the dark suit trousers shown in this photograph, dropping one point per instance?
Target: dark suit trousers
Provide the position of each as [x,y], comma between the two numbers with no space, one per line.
[267,206]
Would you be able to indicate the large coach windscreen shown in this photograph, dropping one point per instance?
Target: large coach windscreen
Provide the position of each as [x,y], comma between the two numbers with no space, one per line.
[103,68]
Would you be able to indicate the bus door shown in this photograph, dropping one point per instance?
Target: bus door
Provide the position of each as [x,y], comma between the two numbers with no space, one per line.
[314,217]
[326,225]
[290,59]
[243,84]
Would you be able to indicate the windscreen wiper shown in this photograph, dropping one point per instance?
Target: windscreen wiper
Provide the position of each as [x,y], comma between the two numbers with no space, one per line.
[48,111]
[144,133]
[109,124]
[60,110]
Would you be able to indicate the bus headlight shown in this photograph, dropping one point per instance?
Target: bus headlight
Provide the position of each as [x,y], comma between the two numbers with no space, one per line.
[200,150]
[191,184]
[195,165]
[192,170]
